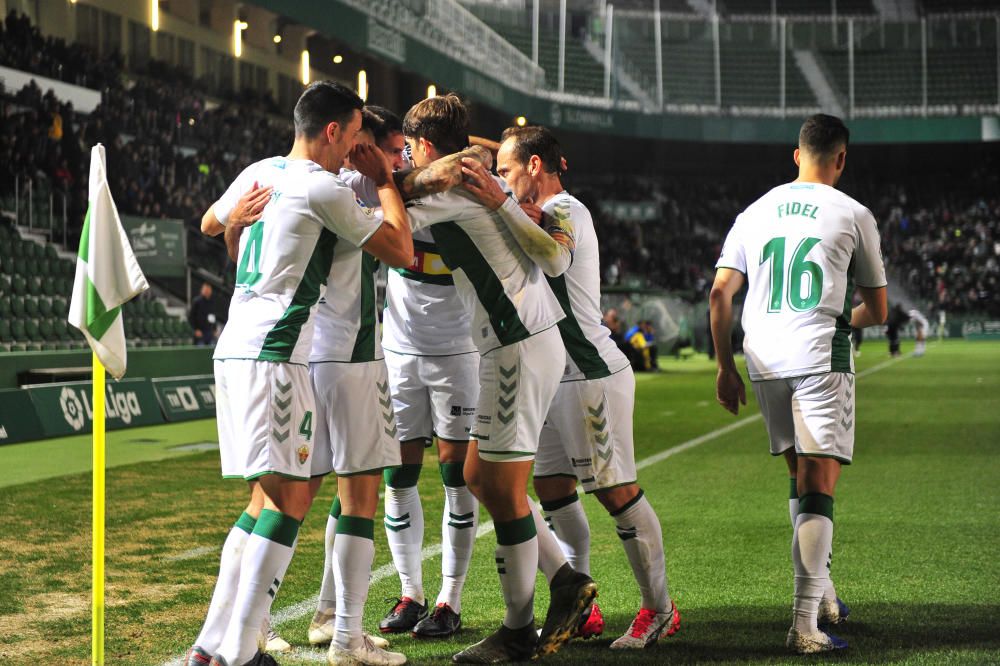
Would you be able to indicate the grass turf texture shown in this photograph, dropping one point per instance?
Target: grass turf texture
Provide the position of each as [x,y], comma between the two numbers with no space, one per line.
[915,542]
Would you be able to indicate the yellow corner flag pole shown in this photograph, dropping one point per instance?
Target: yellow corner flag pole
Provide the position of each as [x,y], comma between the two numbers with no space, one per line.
[97,609]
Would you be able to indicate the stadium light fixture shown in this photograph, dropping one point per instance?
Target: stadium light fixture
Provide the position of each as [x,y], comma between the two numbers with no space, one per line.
[363,85]
[432,91]
[337,59]
[305,68]
[276,39]
[238,28]
[154,15]
[521,121]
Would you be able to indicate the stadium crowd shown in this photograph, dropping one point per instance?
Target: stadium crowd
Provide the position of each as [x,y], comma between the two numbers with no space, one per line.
[171,152]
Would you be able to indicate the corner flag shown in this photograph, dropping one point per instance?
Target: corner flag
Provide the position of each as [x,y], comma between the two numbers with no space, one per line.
[107,274]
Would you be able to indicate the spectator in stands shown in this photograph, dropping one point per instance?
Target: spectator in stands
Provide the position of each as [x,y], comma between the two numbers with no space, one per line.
[202,316]
[642,340]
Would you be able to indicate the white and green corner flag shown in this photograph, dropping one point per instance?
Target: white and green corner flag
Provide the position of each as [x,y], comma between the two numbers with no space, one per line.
[107,274]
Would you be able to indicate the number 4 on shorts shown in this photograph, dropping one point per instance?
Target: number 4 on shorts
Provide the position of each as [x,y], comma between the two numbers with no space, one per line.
[306,427]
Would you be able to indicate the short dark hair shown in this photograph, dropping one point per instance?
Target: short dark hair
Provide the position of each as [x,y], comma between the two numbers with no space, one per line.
[443,121]
[535,140]
[380,121]
[823,135]
[322,103]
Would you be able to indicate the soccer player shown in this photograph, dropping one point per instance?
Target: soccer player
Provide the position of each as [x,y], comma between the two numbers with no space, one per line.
[514,315]
[264,401]
[433,377]
[802,248]
[588,431]
[920,328]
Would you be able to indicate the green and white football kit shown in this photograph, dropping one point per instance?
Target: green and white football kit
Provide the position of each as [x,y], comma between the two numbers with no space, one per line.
[282,267]
[804,247]
[514,317]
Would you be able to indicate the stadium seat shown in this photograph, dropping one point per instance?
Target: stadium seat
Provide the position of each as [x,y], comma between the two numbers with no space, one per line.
[31,306]
[31,331]
[17,306]
[45,307]
[50,252]
[17,330]
[5,333]
[19,285]
[4,284]
[45,330]
[5,307]
[59,306]
[48,286]
[34,285]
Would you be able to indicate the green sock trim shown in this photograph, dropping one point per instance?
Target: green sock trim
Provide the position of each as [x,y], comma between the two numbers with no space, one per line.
[628,505]
[793,488]
[557,504]
[817,503]
[356,526]
[246,522]
[277,527]
[404,476]
[452,474]
[335,507]
[516,531]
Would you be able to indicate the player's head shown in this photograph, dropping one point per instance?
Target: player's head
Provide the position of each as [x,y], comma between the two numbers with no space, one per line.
[206,290]
[328,117]
[823,143]
[527,156]
[386,131]
[435,127]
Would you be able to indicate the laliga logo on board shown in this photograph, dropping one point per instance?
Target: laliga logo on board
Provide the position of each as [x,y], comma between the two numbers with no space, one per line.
[71,408]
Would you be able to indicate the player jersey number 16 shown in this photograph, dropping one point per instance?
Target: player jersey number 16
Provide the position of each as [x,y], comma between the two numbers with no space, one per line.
[798,270]
[248,272]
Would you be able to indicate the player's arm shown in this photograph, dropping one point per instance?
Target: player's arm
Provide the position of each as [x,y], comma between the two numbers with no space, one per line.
[248,210]
[392,242]
[874,308]
[729,388]
[550,247]
[210,225]
[440,175]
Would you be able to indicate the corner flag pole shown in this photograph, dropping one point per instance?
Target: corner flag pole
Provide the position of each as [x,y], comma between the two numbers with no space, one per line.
[97,608]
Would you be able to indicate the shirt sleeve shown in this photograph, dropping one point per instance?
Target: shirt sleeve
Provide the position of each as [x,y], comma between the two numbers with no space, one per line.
[363,186]
[337,208]
[227,202]
[733,253]
[868,268]
[451,206]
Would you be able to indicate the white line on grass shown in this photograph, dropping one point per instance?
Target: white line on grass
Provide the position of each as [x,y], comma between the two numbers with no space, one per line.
[191,554]
[296,611]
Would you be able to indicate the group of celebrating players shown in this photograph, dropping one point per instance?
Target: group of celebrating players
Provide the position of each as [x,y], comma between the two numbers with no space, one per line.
[490,343]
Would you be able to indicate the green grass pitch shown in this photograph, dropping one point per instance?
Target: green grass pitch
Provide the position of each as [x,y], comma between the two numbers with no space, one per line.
[915,549]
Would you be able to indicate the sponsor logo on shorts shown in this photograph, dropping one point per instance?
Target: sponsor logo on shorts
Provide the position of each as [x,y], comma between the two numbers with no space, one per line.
[458,410]
[303,452]
[581,462]
[485,418]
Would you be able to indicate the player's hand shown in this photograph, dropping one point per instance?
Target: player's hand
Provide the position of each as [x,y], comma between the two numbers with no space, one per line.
[371,162]
[479,181]
[532,211]
[730,391]
[250,207]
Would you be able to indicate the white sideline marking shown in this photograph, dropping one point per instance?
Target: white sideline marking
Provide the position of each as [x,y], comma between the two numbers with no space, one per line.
[296,611]
[191,554]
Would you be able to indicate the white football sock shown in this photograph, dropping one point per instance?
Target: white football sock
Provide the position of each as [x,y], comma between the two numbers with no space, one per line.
[328,588]
[829,592]
[221,608]
[811,546]
[404,528]
[642,538]
[458,535]
[569,522]
[517,562]
[268,550]
[354,552]
[550,556]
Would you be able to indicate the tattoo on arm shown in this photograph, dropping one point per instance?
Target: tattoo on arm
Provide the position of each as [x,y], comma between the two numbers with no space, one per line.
[438,176]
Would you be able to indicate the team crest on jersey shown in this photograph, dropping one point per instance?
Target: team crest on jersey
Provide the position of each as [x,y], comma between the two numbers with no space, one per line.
[303,454]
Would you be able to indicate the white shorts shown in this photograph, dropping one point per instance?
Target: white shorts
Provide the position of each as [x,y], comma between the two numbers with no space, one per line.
[264,412]
[355,425]
[516,385]
[434,395]
[814,414]
[588,433]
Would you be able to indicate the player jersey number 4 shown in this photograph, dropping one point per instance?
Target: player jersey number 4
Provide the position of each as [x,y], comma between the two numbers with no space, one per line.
[804,247]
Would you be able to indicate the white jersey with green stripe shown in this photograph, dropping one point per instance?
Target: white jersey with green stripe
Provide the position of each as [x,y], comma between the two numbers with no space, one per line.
[498,283]
[590,351]
[803,247]
[347,316]
[286,257]
[424,315]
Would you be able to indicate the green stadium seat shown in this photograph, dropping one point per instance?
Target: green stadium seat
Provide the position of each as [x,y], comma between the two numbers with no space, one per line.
[63,329]
[19,285]
[158,309]
[17,329]
[47,330]
[18,347]
[17,306]
[4,284]
[31,306]
[60,306]
[34,285]
[50,252]
[45,306]
[5,307]
[5,333]
[42,268]
[29,249]
[31,329]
